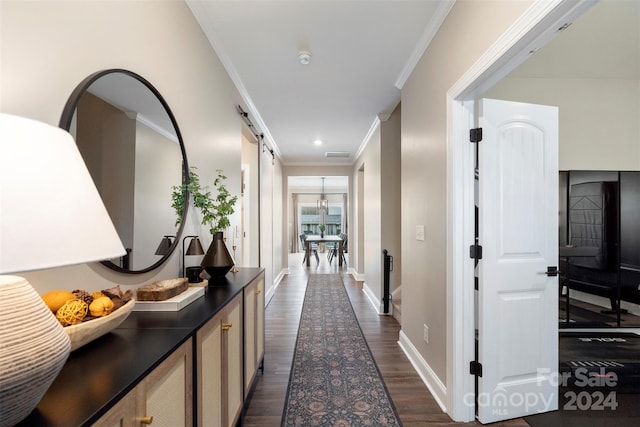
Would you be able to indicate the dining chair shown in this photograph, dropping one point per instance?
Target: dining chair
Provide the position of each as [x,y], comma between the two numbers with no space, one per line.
[312,248]
[334,251]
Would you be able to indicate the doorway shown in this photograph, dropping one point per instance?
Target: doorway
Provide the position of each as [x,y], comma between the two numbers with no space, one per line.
[317,205]
[460,236]
[597,96]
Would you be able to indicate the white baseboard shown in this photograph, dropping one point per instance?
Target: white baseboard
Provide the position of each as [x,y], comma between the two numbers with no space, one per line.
[372,298]
[377,305]
[271,291]
[279,277]
[430,379]
[359,277]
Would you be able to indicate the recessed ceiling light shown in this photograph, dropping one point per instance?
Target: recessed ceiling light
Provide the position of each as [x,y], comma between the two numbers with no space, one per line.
[304,57]
[317,142]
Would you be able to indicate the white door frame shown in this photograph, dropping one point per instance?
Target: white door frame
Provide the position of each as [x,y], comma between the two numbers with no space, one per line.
[537,26]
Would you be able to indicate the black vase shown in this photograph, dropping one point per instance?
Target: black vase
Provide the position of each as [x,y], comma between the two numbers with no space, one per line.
[217,261]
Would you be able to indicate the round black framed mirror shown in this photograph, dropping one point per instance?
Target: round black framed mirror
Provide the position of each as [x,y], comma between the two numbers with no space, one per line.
[133,148]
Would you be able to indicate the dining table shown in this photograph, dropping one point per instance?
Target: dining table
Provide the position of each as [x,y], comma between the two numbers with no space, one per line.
[313,238]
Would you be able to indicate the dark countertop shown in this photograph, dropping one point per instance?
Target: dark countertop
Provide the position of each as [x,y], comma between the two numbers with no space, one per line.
[99,374]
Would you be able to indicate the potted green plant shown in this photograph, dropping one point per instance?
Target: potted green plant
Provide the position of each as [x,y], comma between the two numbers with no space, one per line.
[321,227]
[215,214]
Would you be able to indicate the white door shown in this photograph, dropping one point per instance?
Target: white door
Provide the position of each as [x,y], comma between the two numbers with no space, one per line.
[518,232]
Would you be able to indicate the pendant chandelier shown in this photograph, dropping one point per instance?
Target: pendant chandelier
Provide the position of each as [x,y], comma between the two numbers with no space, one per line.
[323,203]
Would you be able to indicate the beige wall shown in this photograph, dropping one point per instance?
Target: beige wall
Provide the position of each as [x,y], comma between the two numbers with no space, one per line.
[468,31]
[154,152]
[390,194]
[598,118]
[376,176]
[371,239]
[48,47]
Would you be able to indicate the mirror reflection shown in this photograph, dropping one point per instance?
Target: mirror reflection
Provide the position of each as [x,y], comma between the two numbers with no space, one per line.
[133,149]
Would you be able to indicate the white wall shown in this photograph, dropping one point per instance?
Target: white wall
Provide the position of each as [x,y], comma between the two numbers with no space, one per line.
[270,210]
[279,219]
[48,47]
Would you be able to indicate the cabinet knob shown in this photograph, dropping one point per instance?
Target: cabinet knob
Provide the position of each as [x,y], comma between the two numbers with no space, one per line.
[145,420]
[226,326]
[258,291]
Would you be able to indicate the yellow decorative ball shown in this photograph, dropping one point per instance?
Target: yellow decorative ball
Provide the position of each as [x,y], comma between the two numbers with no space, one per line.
[101,306]
[72,312]
[56,299]
[97,294]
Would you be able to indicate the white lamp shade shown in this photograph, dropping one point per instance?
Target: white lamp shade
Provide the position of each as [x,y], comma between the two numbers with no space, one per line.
[51,214]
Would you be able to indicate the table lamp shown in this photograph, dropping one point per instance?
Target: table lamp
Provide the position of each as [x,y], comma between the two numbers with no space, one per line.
[165,245]
[194,248]
[51,215]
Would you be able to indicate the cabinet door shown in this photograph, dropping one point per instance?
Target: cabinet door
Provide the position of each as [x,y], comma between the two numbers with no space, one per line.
[250,304]
[253,329]
[166,394]
[260,319]
[122,414]
[232,339]
[164,397]
[209,368]
[219,364]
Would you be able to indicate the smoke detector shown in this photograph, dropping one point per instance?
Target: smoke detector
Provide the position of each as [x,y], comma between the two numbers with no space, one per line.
[304,57]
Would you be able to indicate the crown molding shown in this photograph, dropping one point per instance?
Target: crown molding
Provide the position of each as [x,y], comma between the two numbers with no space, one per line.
[199,12]
[441,12]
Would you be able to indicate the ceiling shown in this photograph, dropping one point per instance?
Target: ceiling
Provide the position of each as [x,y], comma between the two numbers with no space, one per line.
[361,53]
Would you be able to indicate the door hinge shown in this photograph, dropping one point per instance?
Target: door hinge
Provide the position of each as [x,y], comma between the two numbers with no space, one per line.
[475,252]
[475,135]
[475,368]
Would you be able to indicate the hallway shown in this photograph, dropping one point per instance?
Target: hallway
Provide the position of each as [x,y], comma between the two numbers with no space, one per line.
[412,399]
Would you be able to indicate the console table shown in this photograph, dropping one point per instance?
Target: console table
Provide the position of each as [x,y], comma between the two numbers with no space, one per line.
[100,382]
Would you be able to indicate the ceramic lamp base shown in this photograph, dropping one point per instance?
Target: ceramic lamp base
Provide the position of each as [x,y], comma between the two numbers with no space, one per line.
[34,349]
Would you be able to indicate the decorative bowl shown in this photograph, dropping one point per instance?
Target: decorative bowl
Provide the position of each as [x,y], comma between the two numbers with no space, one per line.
[88,331]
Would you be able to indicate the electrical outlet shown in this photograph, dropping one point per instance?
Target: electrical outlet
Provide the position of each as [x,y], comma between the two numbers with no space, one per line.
[420,233]
[425,334]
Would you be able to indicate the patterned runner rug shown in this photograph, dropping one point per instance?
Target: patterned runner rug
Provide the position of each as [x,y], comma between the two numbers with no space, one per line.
[334,379]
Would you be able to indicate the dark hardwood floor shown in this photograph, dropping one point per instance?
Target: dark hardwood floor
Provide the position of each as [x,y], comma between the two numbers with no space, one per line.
[411,397]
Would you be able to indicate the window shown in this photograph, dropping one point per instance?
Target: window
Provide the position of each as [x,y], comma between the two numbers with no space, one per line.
[311,217]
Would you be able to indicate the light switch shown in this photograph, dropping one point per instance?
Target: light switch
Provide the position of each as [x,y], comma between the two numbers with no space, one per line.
[420,233]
